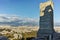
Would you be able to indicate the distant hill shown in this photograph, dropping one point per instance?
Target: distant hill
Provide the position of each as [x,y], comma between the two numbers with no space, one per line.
[17,21]
[57,24]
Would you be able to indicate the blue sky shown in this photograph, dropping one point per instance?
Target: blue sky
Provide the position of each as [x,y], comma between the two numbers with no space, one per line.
[57,11]
[22,8]
[27,8]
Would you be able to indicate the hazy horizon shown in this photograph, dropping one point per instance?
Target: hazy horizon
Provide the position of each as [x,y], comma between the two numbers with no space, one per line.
[24,11]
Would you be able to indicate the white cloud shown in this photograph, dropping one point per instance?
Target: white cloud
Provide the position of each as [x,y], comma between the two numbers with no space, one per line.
[15,20]
[1,14]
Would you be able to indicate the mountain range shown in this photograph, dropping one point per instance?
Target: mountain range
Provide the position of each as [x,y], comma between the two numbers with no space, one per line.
[17,21]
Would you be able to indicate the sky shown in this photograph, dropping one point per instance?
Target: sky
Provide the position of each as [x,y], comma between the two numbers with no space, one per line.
[56,11]
[22,8]
[26,8]
[19,12]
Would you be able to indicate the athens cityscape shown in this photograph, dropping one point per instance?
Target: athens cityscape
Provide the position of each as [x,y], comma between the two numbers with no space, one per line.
[29,20]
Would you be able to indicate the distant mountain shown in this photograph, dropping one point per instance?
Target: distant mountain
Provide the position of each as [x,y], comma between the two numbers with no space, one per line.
[57,24]
[17,21]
